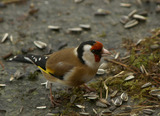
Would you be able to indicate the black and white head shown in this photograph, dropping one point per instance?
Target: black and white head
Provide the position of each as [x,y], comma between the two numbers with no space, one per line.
[90,53]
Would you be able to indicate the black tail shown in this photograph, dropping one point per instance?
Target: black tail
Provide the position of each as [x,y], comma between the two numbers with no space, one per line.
[38,60]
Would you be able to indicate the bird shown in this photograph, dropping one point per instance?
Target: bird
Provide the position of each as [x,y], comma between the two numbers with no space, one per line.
[69,66]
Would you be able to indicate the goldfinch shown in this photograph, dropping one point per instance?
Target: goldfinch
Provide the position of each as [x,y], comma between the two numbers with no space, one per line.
[69,66]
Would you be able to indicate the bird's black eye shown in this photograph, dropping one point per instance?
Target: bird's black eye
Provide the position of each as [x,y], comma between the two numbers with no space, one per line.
[96,51]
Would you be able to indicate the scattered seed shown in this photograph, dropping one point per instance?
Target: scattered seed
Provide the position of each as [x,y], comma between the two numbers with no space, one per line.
[130,77]
[100,104]
[112,108]
[127,5]
[155,92]
[124,19]
[138,42]
[130,24]
[146,85]
[91,95]
[85,26]
[78,1]
[12,78]
[40,44]
[104,101]
[103,66]
[154,46]
[117,102]
[158,9]
[140,17]
[148,111]
[102,12]
[132,13]
[84,113]
[4,37]
[114,93]
[124,97]
[80,106]
[41,107]
[95,111]
[54,28]
[11,38]
[117,55]
[75,30]
[106,111]
[100,72]
[73,98]
[2,85]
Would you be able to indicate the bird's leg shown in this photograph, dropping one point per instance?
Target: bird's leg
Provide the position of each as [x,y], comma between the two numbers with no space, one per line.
[53,102]
[88,89]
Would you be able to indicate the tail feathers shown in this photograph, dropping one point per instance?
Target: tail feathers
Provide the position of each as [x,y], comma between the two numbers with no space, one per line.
[38,60]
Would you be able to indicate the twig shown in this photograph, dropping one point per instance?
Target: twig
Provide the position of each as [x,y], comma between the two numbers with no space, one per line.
[124,65]
[2,65]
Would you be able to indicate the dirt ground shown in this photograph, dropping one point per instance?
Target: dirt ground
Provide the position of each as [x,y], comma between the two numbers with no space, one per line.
[29,20]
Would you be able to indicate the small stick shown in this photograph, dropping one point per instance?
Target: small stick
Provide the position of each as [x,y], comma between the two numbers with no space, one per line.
[2,65]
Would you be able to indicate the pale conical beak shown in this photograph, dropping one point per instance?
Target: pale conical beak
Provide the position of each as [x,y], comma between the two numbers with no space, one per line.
[105,52]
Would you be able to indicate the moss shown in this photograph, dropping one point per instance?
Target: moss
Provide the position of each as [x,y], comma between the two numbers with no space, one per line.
[33,76]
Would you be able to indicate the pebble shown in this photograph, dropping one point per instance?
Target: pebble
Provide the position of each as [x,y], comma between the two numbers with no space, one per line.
[146,85]
[130,24]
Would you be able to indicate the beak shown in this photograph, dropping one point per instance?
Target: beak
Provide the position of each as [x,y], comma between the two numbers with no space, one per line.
[105,52]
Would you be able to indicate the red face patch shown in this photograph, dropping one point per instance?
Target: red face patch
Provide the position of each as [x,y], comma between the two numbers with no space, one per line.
[96,50]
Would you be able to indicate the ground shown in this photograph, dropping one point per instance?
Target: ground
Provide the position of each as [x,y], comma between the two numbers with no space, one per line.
[28,21]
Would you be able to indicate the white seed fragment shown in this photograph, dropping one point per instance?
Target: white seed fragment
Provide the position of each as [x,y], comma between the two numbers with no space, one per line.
[100,72]
[117,55]
[146,85]
[117,102]
[148,111]
[124,19]
[102,12]
[130,24]
[155,92]
[130,77]
[2,85]
[84,113]
[11,38]
[100,104]
[12,78]
[41,107]
[75,30]
[4,37]
[132,13]
[140,17]
[55,28]
[125,5]
[80,106]
[124,96]
[85,26]
[78,1]
[40,44]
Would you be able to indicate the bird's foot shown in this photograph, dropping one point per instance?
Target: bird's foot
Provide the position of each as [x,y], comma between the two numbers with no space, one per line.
[88,89]
[54,102]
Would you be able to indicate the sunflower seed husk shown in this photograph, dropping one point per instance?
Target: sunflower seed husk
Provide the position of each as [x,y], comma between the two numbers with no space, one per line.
[148,111]
[117,55]
[146,85]
[85,26]
[100,72]
[80,106]
[124,96]
[127,5]
[154,46]
[84,113]
[91,95]
[124,19]
[12,78]
[130,24]
[2,85]
[41,107]
[100,104]
[140,17]
[117,102]
[4,37]
[40,44]
[158,9]
[130,77]
[75,30]
[127,108]
[73,98]
[132,13]
[155,92]
[114,93]
[55,28]
[138,42]
[18,74]
[78,1]
[102,12]
[106,111]
[95,111]
[11,38]
[104,101]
